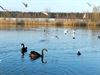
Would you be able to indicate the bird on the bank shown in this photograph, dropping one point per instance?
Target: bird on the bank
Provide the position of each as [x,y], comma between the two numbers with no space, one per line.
[45,13]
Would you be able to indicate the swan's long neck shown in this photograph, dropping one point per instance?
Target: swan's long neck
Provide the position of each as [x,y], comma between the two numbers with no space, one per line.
[23,45]
[43,54]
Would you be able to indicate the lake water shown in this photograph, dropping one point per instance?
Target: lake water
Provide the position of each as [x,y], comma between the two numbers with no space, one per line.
[61,57]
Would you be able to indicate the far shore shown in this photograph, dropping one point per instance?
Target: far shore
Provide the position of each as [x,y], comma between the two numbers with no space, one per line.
[29,23]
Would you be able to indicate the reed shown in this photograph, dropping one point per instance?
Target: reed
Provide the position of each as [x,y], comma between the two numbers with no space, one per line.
[4,23]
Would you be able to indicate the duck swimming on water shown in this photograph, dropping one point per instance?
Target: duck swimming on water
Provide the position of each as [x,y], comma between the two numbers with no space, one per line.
[99,37]
[35,55]
[78,53]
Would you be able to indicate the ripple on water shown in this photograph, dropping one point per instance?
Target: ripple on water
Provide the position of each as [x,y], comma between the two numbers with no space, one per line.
[61,57]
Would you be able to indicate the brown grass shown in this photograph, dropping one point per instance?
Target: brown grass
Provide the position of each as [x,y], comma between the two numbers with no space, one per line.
[29,24]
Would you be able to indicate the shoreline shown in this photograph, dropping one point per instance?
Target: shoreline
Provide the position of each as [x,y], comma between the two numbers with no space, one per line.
[10,23]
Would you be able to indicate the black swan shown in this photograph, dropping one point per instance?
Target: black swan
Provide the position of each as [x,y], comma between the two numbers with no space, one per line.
[23,49]
[78,53]
[35,55]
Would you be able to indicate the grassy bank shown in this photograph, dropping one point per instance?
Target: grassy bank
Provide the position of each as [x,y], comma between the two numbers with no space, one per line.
[29,24]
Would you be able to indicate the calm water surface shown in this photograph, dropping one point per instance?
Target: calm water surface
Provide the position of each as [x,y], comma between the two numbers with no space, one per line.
[61,57]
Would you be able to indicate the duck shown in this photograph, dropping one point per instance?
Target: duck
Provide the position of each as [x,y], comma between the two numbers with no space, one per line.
[35,55]
[78,53]
[99,37]
[23,49]
[56,37]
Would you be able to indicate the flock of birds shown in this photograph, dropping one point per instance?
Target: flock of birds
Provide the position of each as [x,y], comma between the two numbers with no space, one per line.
[35,55]
[25,5]
[73,33]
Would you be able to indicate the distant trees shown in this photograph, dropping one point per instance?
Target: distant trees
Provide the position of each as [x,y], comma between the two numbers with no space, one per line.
[95,16]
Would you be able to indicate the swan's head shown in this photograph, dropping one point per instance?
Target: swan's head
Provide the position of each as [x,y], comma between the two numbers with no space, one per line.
[22,44]
[45,49]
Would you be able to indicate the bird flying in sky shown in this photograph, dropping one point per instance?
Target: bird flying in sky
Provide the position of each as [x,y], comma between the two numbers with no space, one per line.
[2,7]
[89,4]
[26,5]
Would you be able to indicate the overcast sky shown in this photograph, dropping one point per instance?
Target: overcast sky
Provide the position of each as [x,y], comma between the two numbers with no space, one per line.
[51,5]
